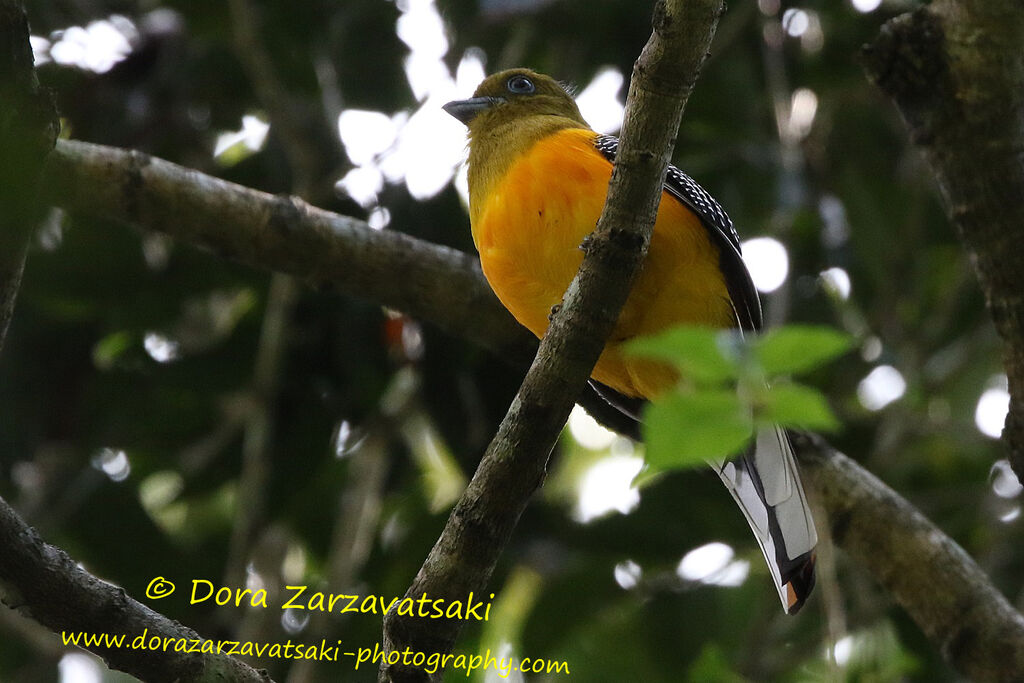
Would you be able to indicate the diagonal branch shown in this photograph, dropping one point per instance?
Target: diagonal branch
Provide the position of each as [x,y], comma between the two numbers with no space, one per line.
[970,622]
[285,234]
[307,138]
[42,582]
[514,465]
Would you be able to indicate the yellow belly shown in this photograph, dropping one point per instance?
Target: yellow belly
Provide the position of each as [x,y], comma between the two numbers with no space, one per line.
[529,231]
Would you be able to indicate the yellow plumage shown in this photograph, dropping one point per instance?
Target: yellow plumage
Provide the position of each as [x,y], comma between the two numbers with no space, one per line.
[538,178]
[528,222]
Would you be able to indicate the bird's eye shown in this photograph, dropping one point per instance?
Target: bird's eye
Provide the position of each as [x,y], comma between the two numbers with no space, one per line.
[520,85]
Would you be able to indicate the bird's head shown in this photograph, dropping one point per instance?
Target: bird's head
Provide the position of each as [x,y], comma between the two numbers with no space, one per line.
[511,95]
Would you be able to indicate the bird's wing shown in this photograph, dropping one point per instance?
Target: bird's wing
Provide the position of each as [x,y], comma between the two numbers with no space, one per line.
[721,231]
[764,481]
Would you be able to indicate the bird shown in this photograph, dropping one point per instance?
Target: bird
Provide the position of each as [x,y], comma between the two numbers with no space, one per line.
[538,178]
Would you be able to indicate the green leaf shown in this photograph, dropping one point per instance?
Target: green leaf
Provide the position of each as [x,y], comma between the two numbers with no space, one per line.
[695,351]
[684,430]
[647,476]
[109,349]
[797,405]
[795,349]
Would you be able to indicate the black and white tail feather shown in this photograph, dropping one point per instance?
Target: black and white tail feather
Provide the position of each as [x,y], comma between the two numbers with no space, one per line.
[764,481]
[765,484]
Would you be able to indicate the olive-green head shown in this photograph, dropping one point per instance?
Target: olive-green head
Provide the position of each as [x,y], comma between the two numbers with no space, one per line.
[514,94]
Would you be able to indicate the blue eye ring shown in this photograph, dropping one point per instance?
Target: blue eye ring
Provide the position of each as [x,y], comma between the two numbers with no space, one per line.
[520,85]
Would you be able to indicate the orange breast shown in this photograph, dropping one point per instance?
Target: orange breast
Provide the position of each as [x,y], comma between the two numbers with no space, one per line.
[528,231]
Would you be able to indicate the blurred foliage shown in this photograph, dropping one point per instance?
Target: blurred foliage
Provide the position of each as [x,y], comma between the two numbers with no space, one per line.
[729,385]
[128,390]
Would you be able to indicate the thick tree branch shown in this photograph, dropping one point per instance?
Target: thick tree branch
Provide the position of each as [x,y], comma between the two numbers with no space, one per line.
[514,465]
[974,627]
[42,582]
[28,128]
[955,70]
[284,234]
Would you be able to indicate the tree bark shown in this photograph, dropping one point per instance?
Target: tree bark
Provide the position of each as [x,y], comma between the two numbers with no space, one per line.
[37,579]
[285,234]
[970,622]
[42,582]
[28,129]
[955,70]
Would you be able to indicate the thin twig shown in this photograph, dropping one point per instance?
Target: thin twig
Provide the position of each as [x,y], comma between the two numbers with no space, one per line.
[300,132]
[355,526]
[250,510]
[312,148]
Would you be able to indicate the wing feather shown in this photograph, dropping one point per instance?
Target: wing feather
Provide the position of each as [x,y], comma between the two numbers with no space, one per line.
[720,229]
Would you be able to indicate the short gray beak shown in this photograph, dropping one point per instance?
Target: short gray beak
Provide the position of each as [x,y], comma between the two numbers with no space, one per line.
[466,110]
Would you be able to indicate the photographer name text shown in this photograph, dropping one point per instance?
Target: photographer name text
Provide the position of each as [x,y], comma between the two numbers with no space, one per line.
[303,598]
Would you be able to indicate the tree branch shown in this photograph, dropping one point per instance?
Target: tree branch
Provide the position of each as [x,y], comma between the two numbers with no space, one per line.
[42,582]
[28,128]
[308,139]
[309,162]
[955,70]
[284,234]
[514,465]
[971,624]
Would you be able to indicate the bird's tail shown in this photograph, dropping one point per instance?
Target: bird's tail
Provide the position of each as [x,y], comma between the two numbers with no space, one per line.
[765,483]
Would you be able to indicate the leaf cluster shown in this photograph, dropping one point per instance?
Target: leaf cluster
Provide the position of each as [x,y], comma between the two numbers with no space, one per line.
[730,384]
